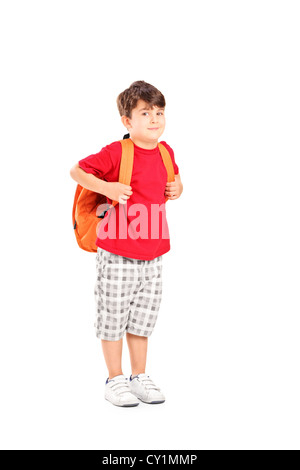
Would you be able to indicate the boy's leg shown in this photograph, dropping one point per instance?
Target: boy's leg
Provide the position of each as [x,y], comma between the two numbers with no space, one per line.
[142,386]
[112,351]
[137,346]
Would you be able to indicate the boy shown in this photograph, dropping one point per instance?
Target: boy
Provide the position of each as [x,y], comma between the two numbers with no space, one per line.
[129,268]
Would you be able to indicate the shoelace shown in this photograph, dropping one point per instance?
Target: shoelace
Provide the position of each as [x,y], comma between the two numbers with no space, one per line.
[148,383]
[120,387]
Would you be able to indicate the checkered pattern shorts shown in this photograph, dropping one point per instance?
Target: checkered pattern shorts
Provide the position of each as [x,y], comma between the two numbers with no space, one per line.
[128,294]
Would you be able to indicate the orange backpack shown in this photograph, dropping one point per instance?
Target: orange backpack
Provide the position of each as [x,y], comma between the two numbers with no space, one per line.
[85,216]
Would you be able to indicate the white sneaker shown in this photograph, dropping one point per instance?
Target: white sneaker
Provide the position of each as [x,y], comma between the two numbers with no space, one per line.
[145,389]
[117,391]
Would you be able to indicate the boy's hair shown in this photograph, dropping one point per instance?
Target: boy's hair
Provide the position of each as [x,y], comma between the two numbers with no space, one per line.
[140,90]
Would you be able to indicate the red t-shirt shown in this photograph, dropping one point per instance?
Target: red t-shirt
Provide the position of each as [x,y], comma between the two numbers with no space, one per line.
[139,228]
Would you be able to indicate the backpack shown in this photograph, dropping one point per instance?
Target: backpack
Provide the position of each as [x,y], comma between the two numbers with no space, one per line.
[85,216]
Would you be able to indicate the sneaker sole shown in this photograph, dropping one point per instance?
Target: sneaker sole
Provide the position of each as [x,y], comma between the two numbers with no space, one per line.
[123,406]
[153,402]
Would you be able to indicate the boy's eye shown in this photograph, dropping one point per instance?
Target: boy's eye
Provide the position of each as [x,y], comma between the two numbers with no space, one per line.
[144,114]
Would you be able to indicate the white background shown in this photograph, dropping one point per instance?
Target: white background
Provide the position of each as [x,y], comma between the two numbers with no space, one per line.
[226,346]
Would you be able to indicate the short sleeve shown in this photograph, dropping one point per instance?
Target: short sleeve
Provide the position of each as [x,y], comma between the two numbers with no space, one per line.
[98,164]
[171,152]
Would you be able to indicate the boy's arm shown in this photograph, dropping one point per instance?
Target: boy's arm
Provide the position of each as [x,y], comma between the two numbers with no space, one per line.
[178,179]
[115,191]
[88,181]
[179,184]
[174,189]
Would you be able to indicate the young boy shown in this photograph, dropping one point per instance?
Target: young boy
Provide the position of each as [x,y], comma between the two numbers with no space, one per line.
[129,268]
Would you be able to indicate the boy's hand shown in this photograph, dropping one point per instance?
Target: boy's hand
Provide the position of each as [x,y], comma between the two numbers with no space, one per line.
[118,192]
[174,189]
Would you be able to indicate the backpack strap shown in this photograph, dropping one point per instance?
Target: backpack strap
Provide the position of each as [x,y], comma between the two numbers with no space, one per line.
[168,164]
[126,165]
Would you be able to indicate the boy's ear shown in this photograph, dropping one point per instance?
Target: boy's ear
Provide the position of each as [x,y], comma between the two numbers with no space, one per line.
[125,121]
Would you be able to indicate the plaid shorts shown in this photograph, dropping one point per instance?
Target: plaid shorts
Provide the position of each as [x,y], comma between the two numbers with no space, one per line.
[128,294]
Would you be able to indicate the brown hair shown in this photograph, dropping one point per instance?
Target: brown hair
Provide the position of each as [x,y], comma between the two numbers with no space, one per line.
[140,90]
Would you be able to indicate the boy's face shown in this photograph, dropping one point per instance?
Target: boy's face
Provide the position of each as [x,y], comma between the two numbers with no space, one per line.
[146,125]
